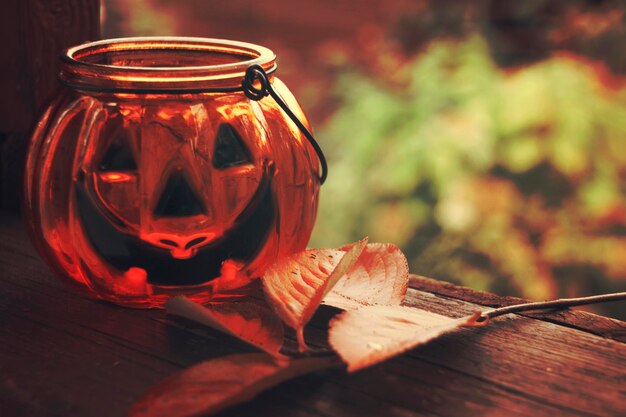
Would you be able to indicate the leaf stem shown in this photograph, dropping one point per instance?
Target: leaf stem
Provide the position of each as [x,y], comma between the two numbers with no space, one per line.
[302,346]
[554,304]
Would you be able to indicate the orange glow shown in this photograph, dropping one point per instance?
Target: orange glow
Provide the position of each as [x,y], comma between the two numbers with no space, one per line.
[176,194]
[112,177]
[136,280]
[165,115]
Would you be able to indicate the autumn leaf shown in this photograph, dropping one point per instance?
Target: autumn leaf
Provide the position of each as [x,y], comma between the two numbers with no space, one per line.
[373,334]
[217,384]
[295,285]
[380,276]
[252,320]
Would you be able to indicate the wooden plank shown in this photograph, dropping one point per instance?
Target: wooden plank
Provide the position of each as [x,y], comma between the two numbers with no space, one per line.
[593,323]
[34,33]
[122,345]
[540,359]
[12,159]
[16,103]
[62,354]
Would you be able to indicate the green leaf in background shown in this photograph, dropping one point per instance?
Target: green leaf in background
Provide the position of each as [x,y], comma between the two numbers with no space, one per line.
[508,181]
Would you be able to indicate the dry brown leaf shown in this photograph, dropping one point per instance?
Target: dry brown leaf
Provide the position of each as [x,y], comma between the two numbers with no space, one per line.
[295,285]
[217,384]
[373,334]
[252,321]
[379,277]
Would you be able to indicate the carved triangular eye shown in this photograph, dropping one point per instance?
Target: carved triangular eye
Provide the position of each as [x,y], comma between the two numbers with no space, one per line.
[119,157]
[229,148]
[178,198]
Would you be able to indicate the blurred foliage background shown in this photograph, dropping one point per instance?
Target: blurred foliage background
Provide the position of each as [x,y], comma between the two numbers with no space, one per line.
[486,138]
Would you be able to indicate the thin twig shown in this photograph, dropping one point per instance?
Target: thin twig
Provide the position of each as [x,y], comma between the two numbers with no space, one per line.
[555,304]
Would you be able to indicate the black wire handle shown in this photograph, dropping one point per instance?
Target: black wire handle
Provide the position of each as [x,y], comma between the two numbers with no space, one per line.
[255,73]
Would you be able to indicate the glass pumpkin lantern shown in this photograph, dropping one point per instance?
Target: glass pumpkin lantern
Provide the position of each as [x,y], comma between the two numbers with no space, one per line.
[163,167]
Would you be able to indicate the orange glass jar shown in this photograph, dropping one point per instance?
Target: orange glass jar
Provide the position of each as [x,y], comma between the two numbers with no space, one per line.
[164,168]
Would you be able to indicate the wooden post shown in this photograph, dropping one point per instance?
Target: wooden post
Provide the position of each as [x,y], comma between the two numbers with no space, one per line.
[32,34]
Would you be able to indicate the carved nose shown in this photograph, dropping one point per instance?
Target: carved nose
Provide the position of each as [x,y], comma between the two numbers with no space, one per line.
[184,250]
[178,199]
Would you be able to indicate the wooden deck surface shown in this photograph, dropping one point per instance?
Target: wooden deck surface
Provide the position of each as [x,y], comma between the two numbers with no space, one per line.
[64,355]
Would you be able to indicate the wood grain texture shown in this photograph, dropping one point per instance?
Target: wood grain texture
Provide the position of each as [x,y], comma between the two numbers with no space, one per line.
[13,148]
[62,354]
[34,33]
[599,325]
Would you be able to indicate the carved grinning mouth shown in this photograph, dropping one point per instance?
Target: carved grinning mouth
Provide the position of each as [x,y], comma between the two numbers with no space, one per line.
[124,251]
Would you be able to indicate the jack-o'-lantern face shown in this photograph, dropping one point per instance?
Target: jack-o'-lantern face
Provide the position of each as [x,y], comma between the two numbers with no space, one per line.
[160,169]
[179,196]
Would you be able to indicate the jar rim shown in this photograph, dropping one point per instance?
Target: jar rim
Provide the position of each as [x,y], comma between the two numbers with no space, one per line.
[81,70]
